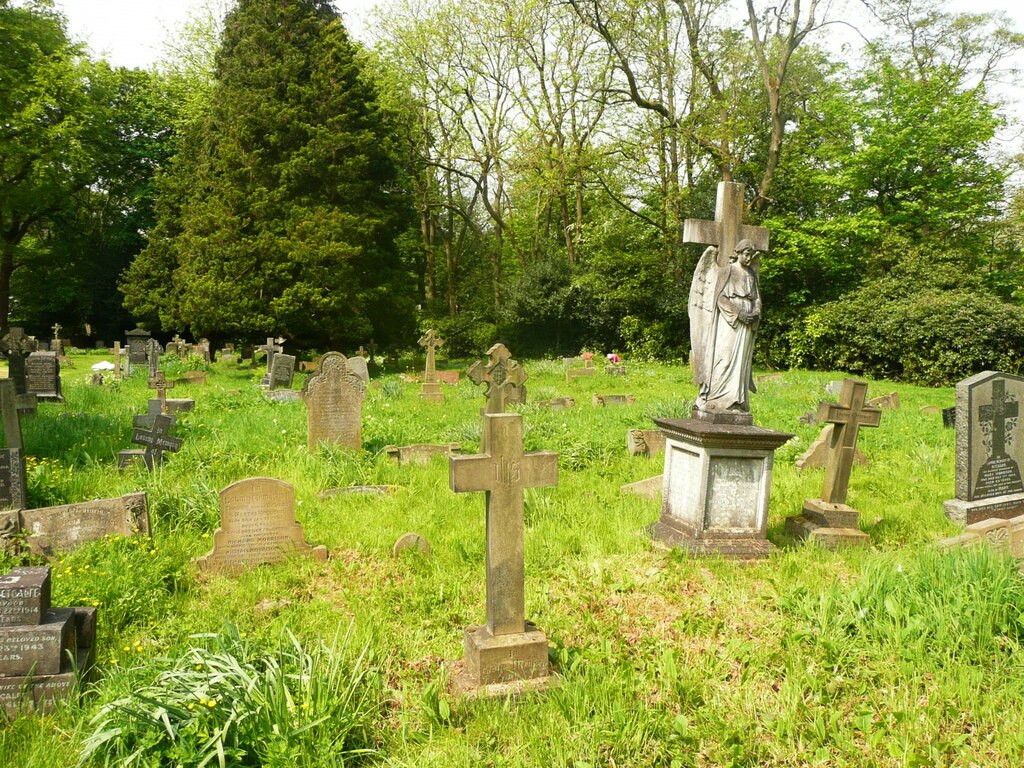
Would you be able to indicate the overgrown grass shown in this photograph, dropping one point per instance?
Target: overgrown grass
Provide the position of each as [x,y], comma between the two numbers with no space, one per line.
[897,655]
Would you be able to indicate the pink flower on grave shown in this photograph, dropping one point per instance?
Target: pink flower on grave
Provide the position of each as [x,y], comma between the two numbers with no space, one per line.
[588,355]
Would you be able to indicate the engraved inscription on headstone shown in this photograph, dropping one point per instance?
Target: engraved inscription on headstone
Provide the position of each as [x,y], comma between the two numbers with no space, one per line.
[283,371]
[257,526]
[49,530]
[334,403]
[24,596]
[42,375]
[137,339]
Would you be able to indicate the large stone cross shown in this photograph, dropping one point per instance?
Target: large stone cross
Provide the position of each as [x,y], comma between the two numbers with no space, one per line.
[431,341]
[157,440]
[997,414]
[272,348]
[727,229]
[504,471]
[56,333]
[161,385]
[500,373]
[849,415]
[16,346]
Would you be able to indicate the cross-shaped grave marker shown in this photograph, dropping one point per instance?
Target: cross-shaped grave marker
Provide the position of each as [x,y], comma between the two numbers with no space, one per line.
[507,649]
[153,357]
[157,440]
[16,346]
[57,346]
[997,414]
[430,389]
[500,374]
[829,520]
[161,385]
[727,229]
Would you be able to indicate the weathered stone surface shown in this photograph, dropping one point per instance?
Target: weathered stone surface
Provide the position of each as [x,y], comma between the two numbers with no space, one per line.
[411,541]
[334,404]
[1003,535]
[39,693]
[66,527]
[12,465]
[421,453]
[308,366]
[769,378]
[717,486]
[645,442]
[430,389]
[156,441]
[16,347]
[601,401]
[500,377]
[380,490]
[615,370]
[450,378]
[137,340]
[193,377]
[816,455]
[931,410]
[24,596]
[890,402]
[504,471]
[258,526]
[576,373]
[359,367]
[949,417]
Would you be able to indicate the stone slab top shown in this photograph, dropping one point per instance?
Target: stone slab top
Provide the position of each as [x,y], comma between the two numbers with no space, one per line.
[715,434]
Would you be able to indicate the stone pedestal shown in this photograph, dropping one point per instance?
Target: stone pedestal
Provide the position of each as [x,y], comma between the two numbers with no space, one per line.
[716,487]
[498,664]
[830,525]
[970,512]
[431,392]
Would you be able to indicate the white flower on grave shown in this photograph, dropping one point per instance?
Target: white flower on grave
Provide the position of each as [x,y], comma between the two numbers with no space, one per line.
[899,567]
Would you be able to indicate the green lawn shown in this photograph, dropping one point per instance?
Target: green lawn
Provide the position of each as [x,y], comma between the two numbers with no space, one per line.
[895,655]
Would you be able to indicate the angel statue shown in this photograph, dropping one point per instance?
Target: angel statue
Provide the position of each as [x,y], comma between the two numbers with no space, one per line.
[725,309]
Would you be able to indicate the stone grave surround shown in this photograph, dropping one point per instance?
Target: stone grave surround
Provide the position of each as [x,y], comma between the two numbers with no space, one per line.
[421,453]
[40,646]
[257,527]
[989,448]
[508,653]
[828,520]
[1000,534]
[334,404]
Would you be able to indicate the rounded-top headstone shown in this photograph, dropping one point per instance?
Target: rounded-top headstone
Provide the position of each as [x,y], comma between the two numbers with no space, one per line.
[411,541]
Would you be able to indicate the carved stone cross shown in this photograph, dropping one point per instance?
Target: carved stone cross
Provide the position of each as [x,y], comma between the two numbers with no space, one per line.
[500,374]
[272,348]
[997,414]
[161,385]
[849,415]
[727,229]
[431,341]
[56,332]
[16,346]
[504,471]
[157,440]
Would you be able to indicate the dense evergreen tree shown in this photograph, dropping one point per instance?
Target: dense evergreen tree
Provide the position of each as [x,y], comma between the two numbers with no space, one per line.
[281,212]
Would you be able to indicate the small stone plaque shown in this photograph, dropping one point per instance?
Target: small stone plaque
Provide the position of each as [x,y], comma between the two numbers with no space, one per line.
[645,442]
[421,453]
[601,401]
[49,530]
[24,596]
[258,526]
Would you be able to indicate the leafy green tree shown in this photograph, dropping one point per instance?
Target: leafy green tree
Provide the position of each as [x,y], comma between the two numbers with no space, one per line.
[281,211]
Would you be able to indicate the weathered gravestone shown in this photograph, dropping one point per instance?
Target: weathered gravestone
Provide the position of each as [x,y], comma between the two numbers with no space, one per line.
[645,442]
[257,526]
[601,401]
[557,404]
[989,448]
[45,531]
[42,376]
[57,345]
[271,348]
[411,541]
[718,465]
[16,347]
[359,367]
[430,390]
[41,647]
[508,653]
[193,377]
[949,417]
[576,373]
[828,520]
[334,404]
[889,402]
[159,382]
[12,458]
[153,357]
[156,440]
[499,376]
[136,340]
[283,371]
[118,371]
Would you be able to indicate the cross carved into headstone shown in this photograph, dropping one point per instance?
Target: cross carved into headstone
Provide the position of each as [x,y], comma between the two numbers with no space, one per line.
[157,440]
[431,341]
[161,385]
[504,471]
[500,374]
[997,414]
[727,229]
[849,415]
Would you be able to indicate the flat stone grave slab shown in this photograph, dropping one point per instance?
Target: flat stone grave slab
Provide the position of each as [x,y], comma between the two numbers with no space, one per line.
[577,373]
[421,453]
[193,377]
[258,527]
[557,403]
[1000,534]
[284,396]
[371,490]
[615,370]
[989,448]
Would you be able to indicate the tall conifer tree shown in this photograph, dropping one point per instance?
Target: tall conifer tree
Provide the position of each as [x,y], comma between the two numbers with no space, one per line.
[283,216]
